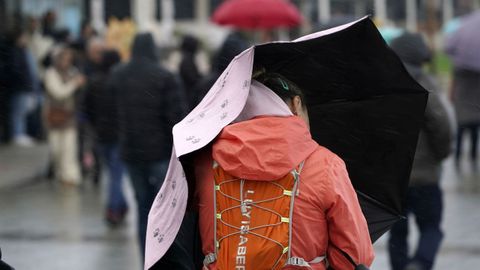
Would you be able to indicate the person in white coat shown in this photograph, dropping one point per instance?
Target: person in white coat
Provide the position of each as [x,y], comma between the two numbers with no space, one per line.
[62,81]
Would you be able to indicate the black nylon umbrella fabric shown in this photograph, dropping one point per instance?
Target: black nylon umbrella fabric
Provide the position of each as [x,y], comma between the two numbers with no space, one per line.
[363,105]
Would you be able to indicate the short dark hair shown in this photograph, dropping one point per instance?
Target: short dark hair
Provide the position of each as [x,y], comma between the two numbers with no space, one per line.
[281,86]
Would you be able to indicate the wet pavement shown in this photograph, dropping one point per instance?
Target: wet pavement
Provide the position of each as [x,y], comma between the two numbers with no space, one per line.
[44,225]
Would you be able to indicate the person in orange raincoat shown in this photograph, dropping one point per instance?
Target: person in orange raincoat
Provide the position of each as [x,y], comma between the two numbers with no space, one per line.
[329,229]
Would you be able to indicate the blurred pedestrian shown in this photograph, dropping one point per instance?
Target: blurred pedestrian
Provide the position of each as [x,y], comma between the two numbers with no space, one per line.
[90,63]
[4,89]
[62,81]
[87,33]
[462,46]
[424,195]
[150,102]
[101,112]
[188,68]
[232,46]
[39,45]
[49,20]
[23,83]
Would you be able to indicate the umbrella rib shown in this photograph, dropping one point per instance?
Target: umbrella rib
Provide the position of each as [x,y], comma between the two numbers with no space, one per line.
[379,204]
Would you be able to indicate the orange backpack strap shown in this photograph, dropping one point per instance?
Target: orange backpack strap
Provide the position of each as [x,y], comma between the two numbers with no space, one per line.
[228,204]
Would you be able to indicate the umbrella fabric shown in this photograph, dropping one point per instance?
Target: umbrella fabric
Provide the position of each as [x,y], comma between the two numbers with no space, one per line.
[168,209]
[464,43]
[362,104]
[257,14]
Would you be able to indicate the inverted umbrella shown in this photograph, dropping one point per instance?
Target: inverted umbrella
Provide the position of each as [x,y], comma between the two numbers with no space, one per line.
[257,14]
[363,105]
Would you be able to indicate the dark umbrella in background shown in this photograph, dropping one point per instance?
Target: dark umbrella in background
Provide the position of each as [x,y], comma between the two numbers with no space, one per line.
[463,44]
[257,14]
[363,105]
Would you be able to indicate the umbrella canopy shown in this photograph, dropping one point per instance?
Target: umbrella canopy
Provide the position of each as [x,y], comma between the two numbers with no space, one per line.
[257,14]
[463,43]
[363,105]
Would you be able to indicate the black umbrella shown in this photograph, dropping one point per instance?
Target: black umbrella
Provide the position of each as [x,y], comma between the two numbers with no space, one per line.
[363,106]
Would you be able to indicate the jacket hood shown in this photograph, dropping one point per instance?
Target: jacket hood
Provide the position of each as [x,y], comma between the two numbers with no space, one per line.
[265,148]
[412,49]
[144,47]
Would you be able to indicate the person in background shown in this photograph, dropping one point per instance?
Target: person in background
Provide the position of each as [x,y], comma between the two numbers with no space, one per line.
[461,46]
[150,101]
[424,195]
[90,63]
[39,46]
[23,84]
[4,90]
[49,20]
[232,46]
[101,112]
[87,33]
[188,68]
[62,81]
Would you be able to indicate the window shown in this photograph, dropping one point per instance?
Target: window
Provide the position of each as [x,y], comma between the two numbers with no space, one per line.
[214,4]
[184,9]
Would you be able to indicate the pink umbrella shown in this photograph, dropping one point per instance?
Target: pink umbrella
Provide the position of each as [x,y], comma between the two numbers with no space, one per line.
[257,14]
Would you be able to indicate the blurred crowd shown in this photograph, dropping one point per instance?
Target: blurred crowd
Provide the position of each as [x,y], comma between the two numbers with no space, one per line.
[94,105]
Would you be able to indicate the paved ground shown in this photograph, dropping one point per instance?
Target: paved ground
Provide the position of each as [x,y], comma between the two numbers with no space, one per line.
[19,165]
[44,226]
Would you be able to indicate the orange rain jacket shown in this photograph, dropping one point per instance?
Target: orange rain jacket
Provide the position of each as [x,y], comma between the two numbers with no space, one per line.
[326,210]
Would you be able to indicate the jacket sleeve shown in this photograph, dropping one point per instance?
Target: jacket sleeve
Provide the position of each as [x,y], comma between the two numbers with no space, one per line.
[347,227]
[439,123]
[56,87]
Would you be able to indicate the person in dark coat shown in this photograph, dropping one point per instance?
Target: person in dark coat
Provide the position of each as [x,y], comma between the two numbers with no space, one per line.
[462,47]
[435,143]
[150,101]
[5,92]
[22,82]
[188,68]
[101,113]
[232,46]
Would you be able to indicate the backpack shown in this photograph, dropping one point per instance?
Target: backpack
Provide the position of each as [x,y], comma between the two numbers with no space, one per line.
[253,222]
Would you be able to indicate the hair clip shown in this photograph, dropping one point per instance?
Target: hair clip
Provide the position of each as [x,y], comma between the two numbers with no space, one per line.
[284,84]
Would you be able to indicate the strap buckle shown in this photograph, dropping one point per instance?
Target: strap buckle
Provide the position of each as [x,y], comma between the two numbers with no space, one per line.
[209,259]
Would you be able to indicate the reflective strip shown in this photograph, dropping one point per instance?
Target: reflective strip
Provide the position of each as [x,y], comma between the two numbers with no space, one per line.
[285,220]
[219,216]
[287,193]
[317,260]
[285,250]
[217,187]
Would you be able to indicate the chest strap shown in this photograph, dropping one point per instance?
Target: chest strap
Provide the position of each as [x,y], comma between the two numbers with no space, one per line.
[297,261]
